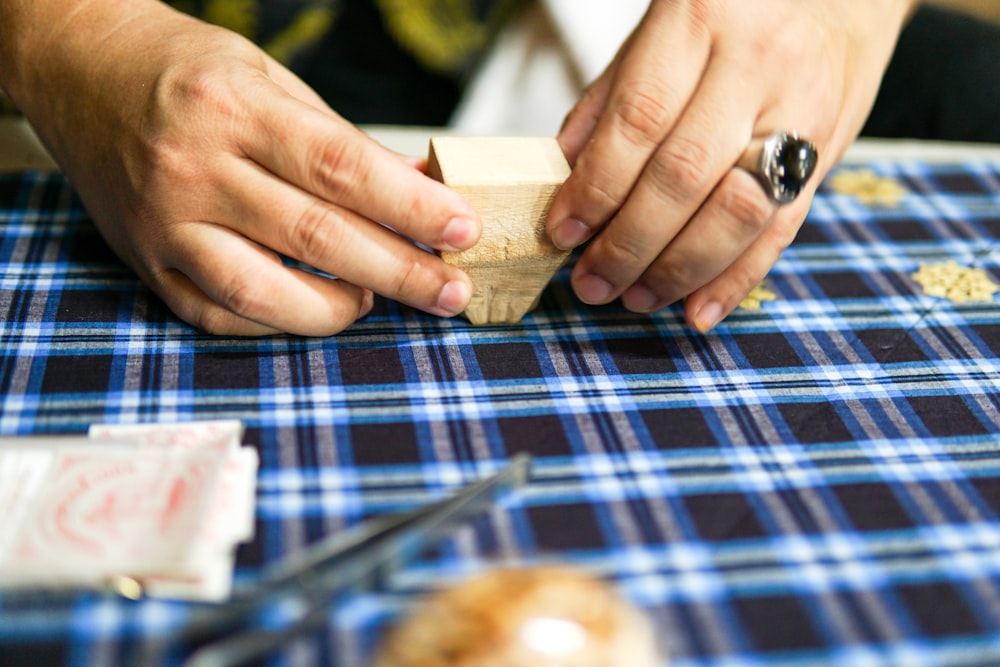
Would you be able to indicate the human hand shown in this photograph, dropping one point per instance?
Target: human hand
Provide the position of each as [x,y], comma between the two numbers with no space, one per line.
[655,140]
[203,162]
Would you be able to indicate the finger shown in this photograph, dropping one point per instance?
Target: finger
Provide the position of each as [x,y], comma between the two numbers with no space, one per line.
[193,306]
[415,162]
[648,95]
[337,162]
[580,122]
[711,303]
[720,232]
[683,172]
[246,286]
[335,240]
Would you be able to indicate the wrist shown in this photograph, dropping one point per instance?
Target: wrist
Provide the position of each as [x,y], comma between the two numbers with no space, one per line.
[71,65]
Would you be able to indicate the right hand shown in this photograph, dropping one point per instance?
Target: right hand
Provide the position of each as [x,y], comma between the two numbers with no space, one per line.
[657,140]
[203,161]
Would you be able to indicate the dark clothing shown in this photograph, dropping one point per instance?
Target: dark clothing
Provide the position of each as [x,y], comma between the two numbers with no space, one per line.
[406,61]
[367,77]
[943,81]
[373,61]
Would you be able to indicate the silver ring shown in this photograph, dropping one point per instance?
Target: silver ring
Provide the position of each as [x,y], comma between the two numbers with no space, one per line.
[786,163]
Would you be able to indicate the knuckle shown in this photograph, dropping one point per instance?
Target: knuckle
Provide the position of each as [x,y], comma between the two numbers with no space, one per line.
[625,252]
[407,280]
[680,166]
[169,162]
[676,276]
[213,320]
[338,167]
[315,233]
[748,206]
[643,112]
[791,45]
[598,194]
[240,294]
[169,146]
[794,44]
[194,88]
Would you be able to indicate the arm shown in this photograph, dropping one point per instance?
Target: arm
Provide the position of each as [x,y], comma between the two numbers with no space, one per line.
[202,161]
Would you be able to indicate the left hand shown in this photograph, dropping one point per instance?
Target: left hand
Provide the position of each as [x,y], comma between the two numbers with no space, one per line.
[655,139]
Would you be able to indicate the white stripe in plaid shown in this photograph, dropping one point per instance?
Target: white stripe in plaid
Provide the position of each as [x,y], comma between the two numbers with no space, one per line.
[814,483]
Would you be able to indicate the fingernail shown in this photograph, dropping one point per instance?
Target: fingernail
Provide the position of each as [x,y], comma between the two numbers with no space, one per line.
[708,316]
[569,233]
[460,233]
[454,297]
[593,289]
[640,299]
[367,303]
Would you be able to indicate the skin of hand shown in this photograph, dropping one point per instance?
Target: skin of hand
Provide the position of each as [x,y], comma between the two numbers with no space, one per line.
[204,162]
[655,139]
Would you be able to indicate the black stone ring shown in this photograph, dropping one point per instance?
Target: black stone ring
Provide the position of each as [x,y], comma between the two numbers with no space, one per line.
[785,164]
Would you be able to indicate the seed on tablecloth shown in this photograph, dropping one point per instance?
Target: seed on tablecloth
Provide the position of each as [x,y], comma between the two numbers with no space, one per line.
[868,187]
[958,283]
[527,617]
[757,295]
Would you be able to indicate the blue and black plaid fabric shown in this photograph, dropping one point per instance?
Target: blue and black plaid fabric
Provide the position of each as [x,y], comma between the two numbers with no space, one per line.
[813,483]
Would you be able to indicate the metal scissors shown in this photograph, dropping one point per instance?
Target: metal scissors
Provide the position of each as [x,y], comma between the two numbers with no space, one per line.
[349,561]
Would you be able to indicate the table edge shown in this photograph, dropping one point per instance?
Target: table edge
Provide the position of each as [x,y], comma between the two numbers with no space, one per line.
[21,150]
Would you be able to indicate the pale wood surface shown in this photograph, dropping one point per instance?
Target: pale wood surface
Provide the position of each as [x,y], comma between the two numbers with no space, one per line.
[20,149]
[511,182]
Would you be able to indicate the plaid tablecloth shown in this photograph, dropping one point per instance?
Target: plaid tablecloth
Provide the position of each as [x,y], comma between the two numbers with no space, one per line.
[816,482]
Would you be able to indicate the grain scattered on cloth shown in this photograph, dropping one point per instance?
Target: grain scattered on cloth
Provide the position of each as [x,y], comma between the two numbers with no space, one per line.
[958,283]
[868,187]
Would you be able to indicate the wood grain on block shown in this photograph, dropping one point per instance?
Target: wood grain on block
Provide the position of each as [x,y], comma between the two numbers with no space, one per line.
[511,182]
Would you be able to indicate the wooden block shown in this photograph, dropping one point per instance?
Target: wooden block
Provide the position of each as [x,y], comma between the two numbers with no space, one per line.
[511,182]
